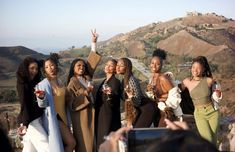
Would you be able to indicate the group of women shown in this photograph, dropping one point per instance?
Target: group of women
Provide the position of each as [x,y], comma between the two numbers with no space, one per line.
[49,109]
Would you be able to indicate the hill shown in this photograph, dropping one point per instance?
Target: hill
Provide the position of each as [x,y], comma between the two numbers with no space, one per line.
[183,38]
[10,58]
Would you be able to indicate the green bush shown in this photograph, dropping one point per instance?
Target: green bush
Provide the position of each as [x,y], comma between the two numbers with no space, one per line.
[8,95]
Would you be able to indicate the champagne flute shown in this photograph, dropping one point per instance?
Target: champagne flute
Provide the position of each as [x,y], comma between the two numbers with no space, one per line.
[217,86]
[107,90]
[129,90]
[150,89]
[90,85]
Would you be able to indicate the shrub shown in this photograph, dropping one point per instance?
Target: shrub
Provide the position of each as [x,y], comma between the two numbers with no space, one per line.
[8,95]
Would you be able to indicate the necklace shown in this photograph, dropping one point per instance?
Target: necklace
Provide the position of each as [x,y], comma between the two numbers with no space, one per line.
[199,79]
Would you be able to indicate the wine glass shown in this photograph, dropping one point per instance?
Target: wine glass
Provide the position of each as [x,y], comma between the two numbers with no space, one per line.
[107,90]
[150,89]
[217,86]
[90,85]
[39,92]
[129,90]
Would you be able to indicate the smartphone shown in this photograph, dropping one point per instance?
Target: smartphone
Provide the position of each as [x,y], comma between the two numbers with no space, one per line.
[138,139]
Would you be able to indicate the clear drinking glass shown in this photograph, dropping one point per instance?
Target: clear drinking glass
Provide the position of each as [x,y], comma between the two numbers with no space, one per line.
[107,90]
[39,92]
[90,85]
[150,89]
[217,87]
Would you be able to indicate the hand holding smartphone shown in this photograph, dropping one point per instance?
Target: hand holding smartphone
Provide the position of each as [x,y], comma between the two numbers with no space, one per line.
[139,138]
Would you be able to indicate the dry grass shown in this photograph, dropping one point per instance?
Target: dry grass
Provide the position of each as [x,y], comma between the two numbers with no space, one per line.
[13,110]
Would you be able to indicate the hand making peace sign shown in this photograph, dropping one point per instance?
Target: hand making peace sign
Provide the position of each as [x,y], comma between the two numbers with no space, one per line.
[94,35]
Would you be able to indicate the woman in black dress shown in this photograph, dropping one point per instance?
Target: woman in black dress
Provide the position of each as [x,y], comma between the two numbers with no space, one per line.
[108,103]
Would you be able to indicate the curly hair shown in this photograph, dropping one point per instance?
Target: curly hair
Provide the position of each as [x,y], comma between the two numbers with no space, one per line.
[159,53]
[132,112]
[206,67]
[22,72]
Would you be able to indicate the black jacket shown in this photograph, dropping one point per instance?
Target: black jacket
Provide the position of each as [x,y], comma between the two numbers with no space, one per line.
[29,107]
[108,111]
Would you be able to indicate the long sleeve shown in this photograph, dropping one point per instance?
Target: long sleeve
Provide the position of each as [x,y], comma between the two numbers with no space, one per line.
[23,93]
[92,62]
[134,84]
[75,96]
[29,108]
[115,84]
[42,103]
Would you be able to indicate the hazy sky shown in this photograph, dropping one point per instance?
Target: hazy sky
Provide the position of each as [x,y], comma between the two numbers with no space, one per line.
[48,24]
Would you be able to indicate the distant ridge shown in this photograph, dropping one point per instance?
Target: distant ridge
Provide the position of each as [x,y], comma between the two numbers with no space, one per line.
[199,31]
[195,34]
[10,58]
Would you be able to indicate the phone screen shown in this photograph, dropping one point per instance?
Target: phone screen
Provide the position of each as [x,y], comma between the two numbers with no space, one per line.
[140,138]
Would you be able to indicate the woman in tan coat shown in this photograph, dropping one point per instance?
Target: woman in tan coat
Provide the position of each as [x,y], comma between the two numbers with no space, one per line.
[80,99]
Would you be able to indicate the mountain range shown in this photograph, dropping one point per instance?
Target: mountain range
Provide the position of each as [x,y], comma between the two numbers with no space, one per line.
[196,34]
[182,38]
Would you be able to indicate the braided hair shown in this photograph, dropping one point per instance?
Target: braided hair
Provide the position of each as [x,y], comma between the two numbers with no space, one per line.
[206,68]
[128,73]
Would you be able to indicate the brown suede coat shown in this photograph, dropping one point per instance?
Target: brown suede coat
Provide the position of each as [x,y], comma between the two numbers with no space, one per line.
[82,109]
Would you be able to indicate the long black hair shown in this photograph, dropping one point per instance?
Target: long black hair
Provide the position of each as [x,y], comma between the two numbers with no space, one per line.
[71,70]
[128,73]
[22,73]
[54,57]
[206,67]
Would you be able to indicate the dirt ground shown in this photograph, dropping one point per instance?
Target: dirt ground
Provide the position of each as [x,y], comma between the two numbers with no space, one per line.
[12,109]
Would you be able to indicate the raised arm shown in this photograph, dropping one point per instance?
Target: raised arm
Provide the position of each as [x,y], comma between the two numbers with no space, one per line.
[93,58]
[94,37]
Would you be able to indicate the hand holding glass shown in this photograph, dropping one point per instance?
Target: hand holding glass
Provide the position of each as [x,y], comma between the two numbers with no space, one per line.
[89,86]
[22,130]
[217,89]
[107,90]
[129,91]
[39,93]
[150,90]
